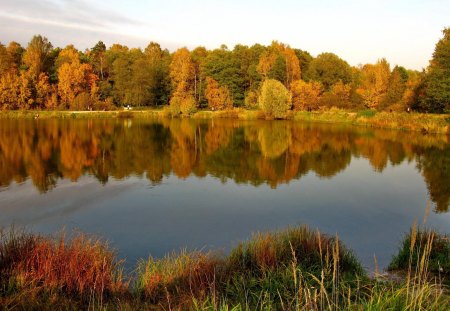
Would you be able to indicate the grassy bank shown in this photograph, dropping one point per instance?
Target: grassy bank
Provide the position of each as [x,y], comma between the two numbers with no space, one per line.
[425,123]
[295,269]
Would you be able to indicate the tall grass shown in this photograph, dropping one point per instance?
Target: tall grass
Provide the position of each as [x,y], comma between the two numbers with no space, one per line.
[293,269]
[81,268]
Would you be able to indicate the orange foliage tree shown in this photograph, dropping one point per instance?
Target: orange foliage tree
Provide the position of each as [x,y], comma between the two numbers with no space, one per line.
[75,79]
[305,95]
[218,97]
[182,75]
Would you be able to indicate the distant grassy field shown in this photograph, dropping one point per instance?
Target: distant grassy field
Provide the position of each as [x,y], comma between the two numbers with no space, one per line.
[425,123]
[294,269]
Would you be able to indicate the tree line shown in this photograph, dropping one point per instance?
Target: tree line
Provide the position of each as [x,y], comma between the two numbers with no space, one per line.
[275,78]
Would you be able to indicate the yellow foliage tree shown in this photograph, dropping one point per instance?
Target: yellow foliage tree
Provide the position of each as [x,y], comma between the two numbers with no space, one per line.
[218,97]
[251,100]
[305,95]
[266,61]
[375,80]
[292,65]
[275,99]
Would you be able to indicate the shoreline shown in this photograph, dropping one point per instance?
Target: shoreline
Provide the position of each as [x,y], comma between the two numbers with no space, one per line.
[415,122]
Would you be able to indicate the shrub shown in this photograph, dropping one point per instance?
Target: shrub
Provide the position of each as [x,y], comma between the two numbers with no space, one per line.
[182,105]
[275,99]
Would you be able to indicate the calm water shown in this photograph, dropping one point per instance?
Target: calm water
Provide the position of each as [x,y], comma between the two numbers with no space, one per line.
[151,187]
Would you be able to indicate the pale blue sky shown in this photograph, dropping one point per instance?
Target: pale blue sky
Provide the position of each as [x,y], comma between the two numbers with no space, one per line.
[405,32]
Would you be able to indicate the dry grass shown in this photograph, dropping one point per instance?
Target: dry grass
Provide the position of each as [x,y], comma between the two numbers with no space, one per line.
[80,267]
[293,269]
[175,279]
[419,122]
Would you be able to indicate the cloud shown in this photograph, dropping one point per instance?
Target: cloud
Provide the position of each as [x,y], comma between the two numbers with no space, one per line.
[70,13]
[66,21]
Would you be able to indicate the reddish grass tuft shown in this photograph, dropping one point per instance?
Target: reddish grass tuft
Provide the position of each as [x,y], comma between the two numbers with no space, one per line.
[80,267]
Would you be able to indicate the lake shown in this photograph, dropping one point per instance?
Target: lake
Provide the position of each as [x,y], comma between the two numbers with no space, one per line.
[151,187]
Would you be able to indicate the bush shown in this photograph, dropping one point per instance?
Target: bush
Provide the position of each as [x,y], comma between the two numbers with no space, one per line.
[275,99]
[182,105]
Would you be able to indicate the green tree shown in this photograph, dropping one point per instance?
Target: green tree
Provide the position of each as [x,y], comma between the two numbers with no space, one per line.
[396,86]
[225,67]
[436,97]
[275,99]
[305,60]
[158,65]
[98,60]
[328,69]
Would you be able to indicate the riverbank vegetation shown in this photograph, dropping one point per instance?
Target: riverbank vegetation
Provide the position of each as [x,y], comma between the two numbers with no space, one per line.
[294,269]
[403,121]
[41,77]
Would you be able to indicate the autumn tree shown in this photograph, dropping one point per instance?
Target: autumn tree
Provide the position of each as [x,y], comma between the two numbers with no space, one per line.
[75,78]
[274,99]
[45,94]
[6,61]
[36,55]
[266,62]
[218,96]
[16,88]
[338,96]
[251,100]
[182,74]
[375,80]
[15,50]
[305,95]
[279,62]
[9,90]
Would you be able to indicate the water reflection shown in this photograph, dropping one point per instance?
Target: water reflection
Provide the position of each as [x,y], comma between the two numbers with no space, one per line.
[256,152]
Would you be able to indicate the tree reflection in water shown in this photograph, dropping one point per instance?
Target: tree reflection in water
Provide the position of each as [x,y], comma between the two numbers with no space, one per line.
[256,152]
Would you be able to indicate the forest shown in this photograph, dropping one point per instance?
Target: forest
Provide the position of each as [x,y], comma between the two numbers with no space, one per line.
[274,78]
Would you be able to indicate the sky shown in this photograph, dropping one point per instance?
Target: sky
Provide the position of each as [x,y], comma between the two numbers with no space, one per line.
[403,31]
